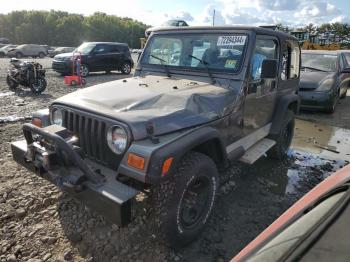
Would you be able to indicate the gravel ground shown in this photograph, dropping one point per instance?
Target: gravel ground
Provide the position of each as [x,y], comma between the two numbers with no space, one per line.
[40,223]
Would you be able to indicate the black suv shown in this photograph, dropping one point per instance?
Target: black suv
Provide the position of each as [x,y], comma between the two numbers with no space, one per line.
[96,56]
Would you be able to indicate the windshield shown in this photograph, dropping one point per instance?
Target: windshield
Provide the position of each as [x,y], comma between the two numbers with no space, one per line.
[214,52]
[323,62]
[85,48]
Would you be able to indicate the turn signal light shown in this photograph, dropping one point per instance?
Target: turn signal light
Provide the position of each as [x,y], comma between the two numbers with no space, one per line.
[166,165]
[37,122]
[136,161]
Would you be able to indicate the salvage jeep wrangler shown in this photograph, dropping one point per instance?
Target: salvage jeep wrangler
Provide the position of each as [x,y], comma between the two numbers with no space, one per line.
[200,97]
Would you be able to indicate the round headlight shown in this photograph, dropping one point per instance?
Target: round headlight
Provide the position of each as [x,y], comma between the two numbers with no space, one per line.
[117,139]
[57,116]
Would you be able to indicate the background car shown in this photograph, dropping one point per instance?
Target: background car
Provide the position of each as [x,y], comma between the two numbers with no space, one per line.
[325,78]
[4,50]
[169,23]
[316,228]
[4,40]
[61,50]
[95,57]
[28,50]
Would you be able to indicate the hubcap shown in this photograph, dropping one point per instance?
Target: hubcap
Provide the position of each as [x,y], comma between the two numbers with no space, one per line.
[195,202]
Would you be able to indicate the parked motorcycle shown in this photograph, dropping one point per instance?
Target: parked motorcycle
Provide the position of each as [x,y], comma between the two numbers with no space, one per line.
[28,74]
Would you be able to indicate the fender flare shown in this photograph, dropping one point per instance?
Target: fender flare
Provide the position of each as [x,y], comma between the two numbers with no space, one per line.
[178,148]
[283,104]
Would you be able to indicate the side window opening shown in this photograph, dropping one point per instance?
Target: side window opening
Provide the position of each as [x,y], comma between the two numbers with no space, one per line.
[264,49]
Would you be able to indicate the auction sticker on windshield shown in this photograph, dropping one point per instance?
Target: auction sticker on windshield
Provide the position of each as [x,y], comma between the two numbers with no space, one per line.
[231,40]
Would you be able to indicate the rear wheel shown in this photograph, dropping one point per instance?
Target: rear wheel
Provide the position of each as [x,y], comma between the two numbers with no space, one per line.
[39,85]
[185,203]
[11,83]
[126,68]
[19,55]
[41,55]
[284,138]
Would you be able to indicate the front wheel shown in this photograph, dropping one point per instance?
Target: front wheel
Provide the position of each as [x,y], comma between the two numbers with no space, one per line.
[186,203]
[41,55]
[284,138]
[126,68]
[12,84]
[84,70]
[39,85]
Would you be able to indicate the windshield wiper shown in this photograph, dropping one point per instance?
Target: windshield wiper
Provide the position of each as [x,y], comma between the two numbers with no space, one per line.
[162,61]
[313,68]
[206,66]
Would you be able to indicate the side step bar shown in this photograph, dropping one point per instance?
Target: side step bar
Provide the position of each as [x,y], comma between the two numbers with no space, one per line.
[257,151]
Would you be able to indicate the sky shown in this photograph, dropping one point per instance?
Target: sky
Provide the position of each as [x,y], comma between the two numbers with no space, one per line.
[293,13]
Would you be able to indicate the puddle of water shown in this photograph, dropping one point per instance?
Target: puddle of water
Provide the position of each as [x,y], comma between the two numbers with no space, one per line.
[6,94]
[325,141]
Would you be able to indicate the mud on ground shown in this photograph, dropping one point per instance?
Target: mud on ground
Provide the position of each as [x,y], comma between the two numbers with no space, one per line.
[40,223]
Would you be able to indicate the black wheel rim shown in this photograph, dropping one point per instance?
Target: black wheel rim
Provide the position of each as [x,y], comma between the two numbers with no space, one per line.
[38,85]
[287,136]
[194,204]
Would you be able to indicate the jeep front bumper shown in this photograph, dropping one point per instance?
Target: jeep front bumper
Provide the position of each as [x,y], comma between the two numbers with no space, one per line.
[93,184]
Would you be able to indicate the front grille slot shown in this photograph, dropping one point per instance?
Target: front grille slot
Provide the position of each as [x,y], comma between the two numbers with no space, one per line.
[91,133]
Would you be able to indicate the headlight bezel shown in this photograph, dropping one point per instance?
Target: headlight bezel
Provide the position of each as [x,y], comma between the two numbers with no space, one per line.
[110,141]
[52,115]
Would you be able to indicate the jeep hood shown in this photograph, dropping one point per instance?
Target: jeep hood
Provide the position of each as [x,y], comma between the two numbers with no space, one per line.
[170,104]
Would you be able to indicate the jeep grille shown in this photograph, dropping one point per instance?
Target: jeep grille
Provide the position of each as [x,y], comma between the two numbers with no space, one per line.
[90,131]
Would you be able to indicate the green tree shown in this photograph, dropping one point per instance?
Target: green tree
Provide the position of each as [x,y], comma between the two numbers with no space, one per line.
[58,28]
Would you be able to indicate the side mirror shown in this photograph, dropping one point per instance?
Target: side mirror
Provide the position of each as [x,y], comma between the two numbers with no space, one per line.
[269,68]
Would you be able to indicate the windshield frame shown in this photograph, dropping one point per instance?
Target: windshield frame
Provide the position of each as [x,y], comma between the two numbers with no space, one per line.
[178,69]
[318,68]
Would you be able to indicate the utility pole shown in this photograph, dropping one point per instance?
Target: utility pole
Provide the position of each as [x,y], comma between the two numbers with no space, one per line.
[214,17]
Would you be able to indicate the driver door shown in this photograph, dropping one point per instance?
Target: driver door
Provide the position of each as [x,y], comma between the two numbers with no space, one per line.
[261,93]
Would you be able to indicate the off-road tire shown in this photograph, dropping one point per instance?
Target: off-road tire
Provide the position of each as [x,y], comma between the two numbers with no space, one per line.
[284,138]
[126,68]
[195,171]
[11,83]
[38,86]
